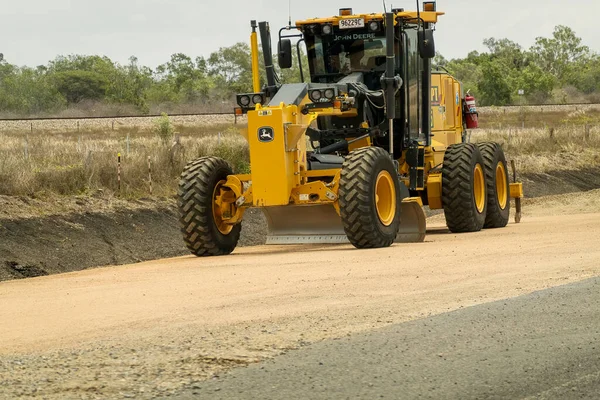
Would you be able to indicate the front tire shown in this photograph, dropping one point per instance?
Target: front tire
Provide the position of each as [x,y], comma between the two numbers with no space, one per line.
[464,188]
[204,232]
[369,198]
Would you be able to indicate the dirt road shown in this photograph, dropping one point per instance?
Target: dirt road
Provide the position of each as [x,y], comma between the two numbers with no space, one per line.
[153,328]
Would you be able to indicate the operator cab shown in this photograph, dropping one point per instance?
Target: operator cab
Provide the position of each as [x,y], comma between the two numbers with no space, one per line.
[343,52]
[350,49]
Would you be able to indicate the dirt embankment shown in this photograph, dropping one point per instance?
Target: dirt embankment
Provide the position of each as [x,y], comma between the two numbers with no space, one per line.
[84,233]
[560,182]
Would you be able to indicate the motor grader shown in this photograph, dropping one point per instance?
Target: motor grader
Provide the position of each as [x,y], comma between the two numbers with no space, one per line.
[353,154]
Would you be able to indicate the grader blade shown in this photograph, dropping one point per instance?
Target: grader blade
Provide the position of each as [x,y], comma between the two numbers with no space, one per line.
[413,224]
[304,224]
[320,224]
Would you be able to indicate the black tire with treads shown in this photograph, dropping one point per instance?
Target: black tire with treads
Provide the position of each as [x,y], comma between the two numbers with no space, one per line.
[195,199]
[357,198]
[458,197]
[497,217]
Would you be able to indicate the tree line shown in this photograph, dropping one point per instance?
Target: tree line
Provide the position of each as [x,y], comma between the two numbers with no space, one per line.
[558,69]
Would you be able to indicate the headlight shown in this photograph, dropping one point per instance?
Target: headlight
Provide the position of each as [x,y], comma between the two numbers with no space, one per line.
[330,94]
[257,99]
[327,29]
[315,95]
[244,100]
[374,26]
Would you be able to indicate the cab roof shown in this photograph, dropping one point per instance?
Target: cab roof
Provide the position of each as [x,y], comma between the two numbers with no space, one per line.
[426,16]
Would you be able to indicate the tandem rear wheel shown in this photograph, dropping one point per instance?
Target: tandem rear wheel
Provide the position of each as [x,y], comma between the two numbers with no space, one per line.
[475,187]
[498,185]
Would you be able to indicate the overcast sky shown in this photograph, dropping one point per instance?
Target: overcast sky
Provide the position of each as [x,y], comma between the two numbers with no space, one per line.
[36,31]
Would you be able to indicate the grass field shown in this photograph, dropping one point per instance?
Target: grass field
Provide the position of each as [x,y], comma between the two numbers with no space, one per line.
[87,163]
[66,159]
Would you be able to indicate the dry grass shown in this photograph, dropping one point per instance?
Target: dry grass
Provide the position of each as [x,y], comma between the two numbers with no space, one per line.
[540,150]
[61,158]
[86,163]
[539,116]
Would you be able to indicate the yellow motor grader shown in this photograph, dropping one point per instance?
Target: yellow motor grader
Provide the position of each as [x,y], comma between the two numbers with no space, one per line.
[355,153]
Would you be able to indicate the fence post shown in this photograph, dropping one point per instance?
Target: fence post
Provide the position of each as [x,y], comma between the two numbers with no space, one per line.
[26,147]
[587,132]
[127,146]
[119,171]
[150,174]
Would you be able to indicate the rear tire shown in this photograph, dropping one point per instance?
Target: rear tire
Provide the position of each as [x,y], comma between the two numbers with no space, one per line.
[498,186]
[202,233]
[369,198]
[463,188]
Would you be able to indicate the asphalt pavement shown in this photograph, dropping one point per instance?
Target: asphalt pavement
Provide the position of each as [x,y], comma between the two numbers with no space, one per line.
[545,345]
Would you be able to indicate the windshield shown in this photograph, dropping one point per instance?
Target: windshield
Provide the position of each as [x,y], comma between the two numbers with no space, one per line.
[343,53]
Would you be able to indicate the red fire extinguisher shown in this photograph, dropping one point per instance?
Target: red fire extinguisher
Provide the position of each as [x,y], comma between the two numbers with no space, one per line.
[471,116]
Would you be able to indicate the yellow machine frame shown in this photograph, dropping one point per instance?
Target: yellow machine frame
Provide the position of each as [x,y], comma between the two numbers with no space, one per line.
[280,177]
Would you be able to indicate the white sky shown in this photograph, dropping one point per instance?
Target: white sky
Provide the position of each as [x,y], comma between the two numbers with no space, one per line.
[36,31]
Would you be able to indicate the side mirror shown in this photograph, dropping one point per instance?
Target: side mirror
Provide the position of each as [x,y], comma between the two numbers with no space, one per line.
[284,53]
[426,43]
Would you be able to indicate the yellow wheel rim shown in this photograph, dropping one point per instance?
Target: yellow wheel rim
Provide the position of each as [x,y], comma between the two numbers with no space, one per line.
[224,228]
[385,198]
[501,187]
[479,188]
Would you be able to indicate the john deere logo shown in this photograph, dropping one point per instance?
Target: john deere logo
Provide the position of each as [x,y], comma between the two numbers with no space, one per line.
[266,134]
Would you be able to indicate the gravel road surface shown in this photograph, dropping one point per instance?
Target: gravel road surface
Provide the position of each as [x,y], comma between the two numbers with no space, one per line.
[545,345]
[157,328]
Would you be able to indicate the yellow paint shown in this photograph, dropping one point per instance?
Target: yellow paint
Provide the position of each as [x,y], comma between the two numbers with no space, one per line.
[366,142]
[501,189]
[413,200]
[434,191]
[255,69]
[313,193]
[385,198]
[516,190]
[408,16]
[275,167]
[320,173]
[446,110]
[479,188]
[222,208]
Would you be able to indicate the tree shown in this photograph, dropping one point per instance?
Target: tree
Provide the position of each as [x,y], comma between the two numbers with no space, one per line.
[506,51]
[439,60]
[559,53]
[231,68]
[184,79]
[79,85]
[493,88]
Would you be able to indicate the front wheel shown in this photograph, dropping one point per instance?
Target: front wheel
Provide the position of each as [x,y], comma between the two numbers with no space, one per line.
[201,192]
[369,198]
